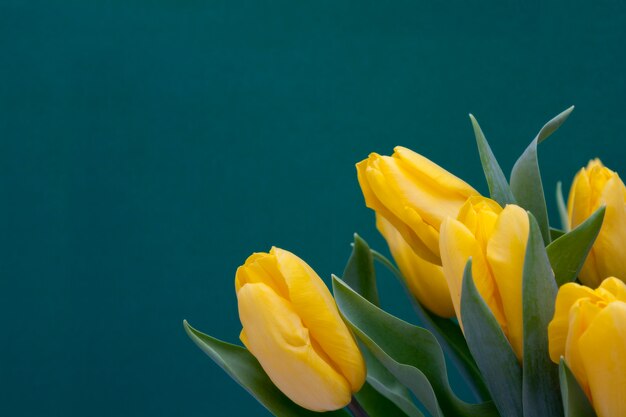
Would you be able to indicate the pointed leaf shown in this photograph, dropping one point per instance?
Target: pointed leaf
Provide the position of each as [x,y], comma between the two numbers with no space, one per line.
[528,190]
[498,186]
[410,353]
[359,272]
[575,402]
[491,349]
[567,254]
[551,127]
[540,390]
[556,233]
[526,182]
[448,335]
[241,366]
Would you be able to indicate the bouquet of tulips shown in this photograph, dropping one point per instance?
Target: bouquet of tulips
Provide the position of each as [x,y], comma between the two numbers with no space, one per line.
[533,317]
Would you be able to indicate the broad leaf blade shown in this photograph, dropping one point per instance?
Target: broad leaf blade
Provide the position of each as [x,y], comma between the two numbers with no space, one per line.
[410,353]
[359,272]
[448,335]
[540,391]
[376,404]
[567,254]
[241,366]
[528,190]
[491,349]
[498,186]
[575,402]
[380,379]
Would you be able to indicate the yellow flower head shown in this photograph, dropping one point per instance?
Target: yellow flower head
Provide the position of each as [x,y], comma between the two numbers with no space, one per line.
[595,186]
[589,331]
[292,326]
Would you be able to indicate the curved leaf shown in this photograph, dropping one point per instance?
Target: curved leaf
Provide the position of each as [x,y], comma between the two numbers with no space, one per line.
[575,402]
[241,366]
[376,404]
[567,254]
[359,272]
[540,390]
[448,335]
[388,385]
[491,349]
[410,353]
[526,182]
[498,186]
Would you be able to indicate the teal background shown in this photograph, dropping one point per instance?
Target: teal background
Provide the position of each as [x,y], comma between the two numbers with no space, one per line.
[147,148]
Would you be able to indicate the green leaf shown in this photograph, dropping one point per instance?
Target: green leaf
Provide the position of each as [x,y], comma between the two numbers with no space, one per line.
[575,402]
[540,389]
[448,334]
[491,349]
[379,378]
[552,126]
[567,254]
[498,186]
[410,353]
[556,233]
[526,182]
[241,366]
[560,202]
[376,404]
[359,272]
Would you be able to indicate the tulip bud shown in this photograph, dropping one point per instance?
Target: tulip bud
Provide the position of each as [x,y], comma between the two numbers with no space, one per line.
[424,279]
[414,194]
[495,239]
[292,326]
[595,186]
[589,331]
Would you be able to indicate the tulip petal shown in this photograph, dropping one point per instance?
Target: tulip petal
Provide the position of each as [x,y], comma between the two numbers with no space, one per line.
[505,254]
[278,339]
[425,280]
[610,245]
[458,244]
[603,354]
[559,326]
[314,304]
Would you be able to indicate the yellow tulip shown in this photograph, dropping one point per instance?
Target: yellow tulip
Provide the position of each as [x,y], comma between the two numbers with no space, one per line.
[495,239]
[593,187]
[292,326]
[589,331]
[414,194]
[424,279]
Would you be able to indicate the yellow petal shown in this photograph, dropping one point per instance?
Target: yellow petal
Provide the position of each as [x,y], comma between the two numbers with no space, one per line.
[281,343]
[559,326]
[505,254]
[313,303]
[616,287]
[458,244]
[579,200]
[603,354]
[609,248]
[424,279]
[261,267]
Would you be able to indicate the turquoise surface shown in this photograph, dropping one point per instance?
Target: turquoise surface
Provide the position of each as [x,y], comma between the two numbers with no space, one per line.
[147,148]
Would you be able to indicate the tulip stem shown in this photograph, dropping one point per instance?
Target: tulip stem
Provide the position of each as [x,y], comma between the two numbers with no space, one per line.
[357,409]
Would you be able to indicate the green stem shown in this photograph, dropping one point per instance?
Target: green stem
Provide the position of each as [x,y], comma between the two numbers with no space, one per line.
[356,409]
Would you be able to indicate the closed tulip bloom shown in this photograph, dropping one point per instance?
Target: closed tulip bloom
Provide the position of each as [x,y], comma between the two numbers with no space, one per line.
[595,186]
[495,239]
[292,326]
[589,331]
[424,279]
[414,194]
